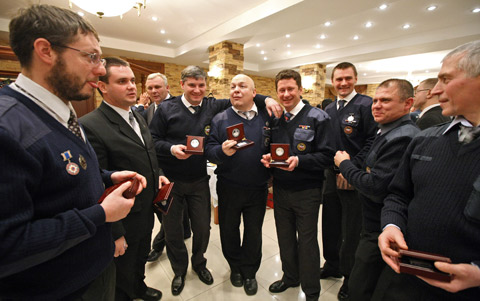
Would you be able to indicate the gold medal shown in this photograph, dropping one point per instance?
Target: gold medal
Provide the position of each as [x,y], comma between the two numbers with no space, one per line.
[83,162]
[348,130]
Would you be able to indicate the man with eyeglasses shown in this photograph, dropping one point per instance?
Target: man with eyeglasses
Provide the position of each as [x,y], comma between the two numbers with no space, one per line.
[427,103]
[56,240]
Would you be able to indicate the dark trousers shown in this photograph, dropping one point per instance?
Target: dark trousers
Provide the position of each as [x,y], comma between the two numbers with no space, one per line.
[341,225]
[131,265]
[367,268]
[101,289]
[197,197]
[296,220]
[243,255]
[159,241]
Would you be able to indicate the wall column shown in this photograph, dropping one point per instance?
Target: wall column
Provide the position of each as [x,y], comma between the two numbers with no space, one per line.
[226,61]
[313,80]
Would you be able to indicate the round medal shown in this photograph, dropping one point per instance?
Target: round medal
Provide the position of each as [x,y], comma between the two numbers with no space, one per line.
[194,143]
[235,133]
[348,130]
[73,169]
[279,151]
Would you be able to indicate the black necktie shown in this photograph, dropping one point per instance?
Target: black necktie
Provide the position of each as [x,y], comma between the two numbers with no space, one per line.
[341,104]
[196,109]
[467,134]
[73,125]
[288,116]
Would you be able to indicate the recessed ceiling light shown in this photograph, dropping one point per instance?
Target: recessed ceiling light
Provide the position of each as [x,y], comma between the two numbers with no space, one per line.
[169,41]
[289,52]
[383,6]
[355,37]
[162,31]
[265,58]
[288,45]
[317,46]
[427,71]
[364,74]
[368,24]
[406,26]
[432,7]
[262,52]
[323,37]
[287,35]
[258,45]
[476,10]
[154,19]
[328,23]
[81,14]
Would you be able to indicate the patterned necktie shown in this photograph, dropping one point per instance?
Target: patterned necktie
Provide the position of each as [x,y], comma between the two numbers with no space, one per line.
[467,134]
[73,125]
[195,108]
[248,114]
[341,104]
[288,116]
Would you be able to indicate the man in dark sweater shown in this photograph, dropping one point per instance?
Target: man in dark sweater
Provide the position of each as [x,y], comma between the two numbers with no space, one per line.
[188,114]
[353,128]
[427,103]
[242,182]
[434,199]
[391,107]
[56,241]
[297,188]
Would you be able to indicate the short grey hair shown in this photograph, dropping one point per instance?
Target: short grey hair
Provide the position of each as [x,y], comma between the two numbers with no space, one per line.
[193,71]
[470,60]
[158,74]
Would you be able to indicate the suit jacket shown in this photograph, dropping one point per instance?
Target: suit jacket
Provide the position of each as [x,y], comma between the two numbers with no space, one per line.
[118,147]
[432,117]
[148,114]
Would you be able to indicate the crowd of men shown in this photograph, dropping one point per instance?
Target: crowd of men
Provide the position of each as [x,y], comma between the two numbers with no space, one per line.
[387,183]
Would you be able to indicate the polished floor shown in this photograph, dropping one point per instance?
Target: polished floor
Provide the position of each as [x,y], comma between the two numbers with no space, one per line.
[159,274]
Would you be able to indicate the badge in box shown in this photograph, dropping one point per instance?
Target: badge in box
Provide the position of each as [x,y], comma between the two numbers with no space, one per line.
[237,133]
[194,145]
[128,194]
[163,201]
[422,264]
[279,153]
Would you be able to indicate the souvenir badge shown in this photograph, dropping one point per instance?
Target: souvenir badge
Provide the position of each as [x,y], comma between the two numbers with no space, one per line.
[279,151]
[235,133]
[348,130]
[73,169]
[83,162]
[351,119]
[267,141]
[207,130]
[66,155]
[301,146]
[267,124]
[194,143]
[368,169]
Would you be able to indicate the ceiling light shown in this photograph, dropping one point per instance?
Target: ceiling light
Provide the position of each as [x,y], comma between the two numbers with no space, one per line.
[265,58]
[406,26]
[431,7]
[427,71]
[169,41]
[258,45]
[323,37]
[287,35]
[162,31]
[355,37]
[262,52]
[288,45]
[476,10]
[108,8]
[364,74]
[317,46]
[328,23]
[289,52]
[154,19]
[81,14]
[383,6]
[368,24]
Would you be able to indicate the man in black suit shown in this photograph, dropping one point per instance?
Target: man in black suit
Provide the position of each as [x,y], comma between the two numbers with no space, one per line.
[121,139]
[431,112]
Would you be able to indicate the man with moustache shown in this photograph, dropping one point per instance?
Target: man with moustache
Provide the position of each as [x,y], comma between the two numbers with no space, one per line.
[242,182]
[434,199]
[353,126]
[297,188]
[391,107]
[122,140]
[56,241]
[189,114]
[427,103]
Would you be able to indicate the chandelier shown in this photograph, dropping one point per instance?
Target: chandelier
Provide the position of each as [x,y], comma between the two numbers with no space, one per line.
[109,8]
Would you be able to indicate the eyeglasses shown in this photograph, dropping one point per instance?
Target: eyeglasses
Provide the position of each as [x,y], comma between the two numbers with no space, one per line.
[417,91]
[94,57]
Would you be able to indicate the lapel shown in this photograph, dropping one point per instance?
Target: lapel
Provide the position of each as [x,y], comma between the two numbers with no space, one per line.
[114,118]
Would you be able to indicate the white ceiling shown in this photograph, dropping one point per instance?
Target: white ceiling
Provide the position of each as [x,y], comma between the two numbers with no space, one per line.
[382,51]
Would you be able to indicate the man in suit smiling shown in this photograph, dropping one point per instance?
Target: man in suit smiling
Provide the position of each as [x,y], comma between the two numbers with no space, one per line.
[121,138]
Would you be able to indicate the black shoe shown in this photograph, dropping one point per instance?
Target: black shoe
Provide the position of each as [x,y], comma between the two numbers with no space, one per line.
[280,286]
[236,279]
[250,286]
[153,255]
[151,294]
[205,276]
[326,273]
[177,285]
[343,292]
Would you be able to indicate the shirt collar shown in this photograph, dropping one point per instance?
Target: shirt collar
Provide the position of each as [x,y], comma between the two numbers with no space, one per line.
[297,108]
[385,128]
[349,96]
[427,109]
[253,108]
[53,105]
[125,114]
[457,120]
[187,104]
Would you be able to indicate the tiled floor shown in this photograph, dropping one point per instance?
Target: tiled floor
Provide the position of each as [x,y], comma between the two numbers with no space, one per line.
[159,274]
